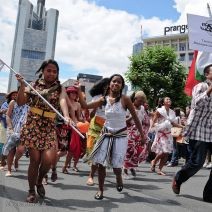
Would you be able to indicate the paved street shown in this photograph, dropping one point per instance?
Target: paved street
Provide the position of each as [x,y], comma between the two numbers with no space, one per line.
[148,192]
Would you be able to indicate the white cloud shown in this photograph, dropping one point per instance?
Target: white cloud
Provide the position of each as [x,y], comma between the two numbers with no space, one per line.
[93,37]
[3,84]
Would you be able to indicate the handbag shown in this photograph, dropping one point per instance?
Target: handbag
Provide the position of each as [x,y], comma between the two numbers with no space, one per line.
[176,131]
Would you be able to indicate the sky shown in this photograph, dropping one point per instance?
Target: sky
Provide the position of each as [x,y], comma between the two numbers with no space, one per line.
[96,36]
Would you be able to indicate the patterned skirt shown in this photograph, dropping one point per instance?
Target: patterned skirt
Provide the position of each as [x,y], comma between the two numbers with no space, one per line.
[39,133]
[136,153]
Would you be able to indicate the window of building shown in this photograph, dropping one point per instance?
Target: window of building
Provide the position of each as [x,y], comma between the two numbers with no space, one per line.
[190,56]
[182,57]
[32,54]
[174,46]
[182,46]
[37,24]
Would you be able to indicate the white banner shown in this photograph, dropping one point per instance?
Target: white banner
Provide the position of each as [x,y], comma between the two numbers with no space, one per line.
[200,33]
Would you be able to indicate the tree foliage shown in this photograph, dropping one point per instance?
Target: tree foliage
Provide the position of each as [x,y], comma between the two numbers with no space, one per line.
[157,71]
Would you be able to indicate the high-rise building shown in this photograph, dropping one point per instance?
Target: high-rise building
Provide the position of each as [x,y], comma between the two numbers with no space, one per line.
[34,41]
[137,48]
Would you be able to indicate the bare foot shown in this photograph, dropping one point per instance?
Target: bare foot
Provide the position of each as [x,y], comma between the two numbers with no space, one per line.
[161,173]
[90,181]
[8,174]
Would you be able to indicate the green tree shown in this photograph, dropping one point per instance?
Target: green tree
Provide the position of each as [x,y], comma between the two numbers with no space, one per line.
[157,71]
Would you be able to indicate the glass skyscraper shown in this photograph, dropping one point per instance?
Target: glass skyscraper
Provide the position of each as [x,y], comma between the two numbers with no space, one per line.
[34,41]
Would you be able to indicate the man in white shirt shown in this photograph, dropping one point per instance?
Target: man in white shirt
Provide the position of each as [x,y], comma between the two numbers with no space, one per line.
[199,132]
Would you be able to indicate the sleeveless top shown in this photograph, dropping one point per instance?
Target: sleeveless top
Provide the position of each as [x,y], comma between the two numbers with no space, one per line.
[115,115]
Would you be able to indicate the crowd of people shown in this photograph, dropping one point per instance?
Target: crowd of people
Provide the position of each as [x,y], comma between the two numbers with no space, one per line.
[119,131]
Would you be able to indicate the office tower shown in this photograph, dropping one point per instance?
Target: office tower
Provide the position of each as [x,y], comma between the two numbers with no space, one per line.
[34,41]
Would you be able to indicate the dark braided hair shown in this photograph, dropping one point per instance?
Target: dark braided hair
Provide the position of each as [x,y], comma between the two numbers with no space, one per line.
[99,87]
[107,91]
[43,65]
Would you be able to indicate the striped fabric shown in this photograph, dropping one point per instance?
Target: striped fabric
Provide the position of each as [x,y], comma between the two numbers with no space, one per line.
[199,124]
[106,134]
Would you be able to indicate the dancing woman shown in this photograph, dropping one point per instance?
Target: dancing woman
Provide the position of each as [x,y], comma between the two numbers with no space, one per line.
[111,147]
[38,134]
[96,123]
[136,152]
[163,121]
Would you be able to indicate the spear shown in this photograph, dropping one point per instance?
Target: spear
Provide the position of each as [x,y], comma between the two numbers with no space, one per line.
[2,64]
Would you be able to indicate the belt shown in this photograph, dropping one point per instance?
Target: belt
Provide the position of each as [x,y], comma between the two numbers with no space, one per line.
[43,112]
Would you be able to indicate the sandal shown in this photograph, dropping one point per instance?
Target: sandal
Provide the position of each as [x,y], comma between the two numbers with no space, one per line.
[41,190]
[45,180]
[64,170]
[119,183]
[133,172]
[99,195]
[31,198]
[75,169]
[54,176]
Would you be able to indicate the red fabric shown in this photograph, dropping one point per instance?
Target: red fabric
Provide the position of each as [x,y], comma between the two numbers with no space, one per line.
[191,80]
[75,145]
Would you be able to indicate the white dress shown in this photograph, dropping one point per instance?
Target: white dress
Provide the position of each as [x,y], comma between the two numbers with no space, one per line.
[163,142]
[110,151]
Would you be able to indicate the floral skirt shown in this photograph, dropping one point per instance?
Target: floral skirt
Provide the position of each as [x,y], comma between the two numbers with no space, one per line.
[136,153]
[39,133]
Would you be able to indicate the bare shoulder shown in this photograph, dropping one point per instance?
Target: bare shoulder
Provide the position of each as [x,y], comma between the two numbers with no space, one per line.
[12,103]
[126,101]
[125,98]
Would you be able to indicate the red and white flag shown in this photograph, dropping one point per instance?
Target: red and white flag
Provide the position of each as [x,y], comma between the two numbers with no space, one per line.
[191,79]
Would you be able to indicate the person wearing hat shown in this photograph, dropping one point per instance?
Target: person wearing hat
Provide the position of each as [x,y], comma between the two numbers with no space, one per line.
[74,148]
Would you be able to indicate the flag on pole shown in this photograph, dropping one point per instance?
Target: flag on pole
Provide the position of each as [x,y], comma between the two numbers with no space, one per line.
[191,79]
[196,74]
[203,59]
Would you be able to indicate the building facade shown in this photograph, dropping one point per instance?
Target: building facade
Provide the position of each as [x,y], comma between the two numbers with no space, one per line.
[34,41]
[179,42]
[175,37]
[86,80]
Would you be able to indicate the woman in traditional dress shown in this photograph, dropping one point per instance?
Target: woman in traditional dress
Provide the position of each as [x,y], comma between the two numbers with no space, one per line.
[38,134]
[136,152]
[163,121]
[96,123]
[111,147]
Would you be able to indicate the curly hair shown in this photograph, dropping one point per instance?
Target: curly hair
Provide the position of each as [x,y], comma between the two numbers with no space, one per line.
[99,87]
